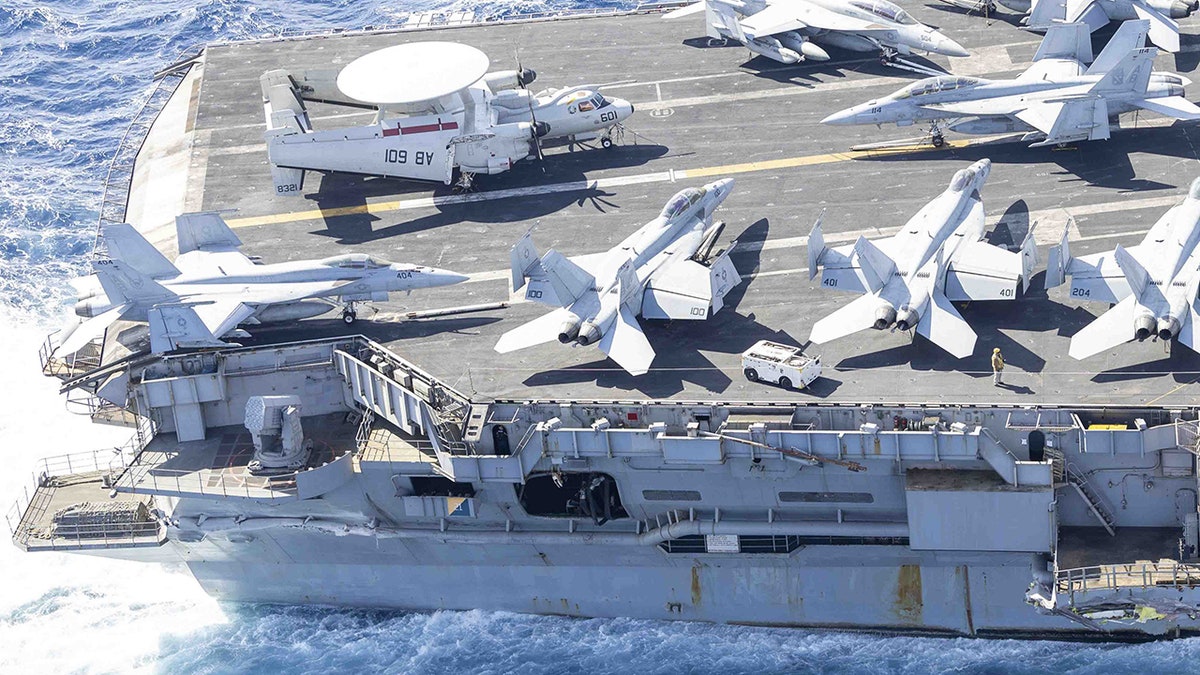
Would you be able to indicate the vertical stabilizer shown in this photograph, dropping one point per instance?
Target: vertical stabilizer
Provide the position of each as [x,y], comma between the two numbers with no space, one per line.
[126,244]
[816,247]
[1059,260]
[1135,274]
[122,283]
[1130,36]
[204,231]
[1063,40]
[876,266]
[523,260]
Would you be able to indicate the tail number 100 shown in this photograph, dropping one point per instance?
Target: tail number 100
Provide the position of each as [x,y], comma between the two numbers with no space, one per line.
[394,156]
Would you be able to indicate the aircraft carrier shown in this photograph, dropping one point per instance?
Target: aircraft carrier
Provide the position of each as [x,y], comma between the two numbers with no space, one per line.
[901,491]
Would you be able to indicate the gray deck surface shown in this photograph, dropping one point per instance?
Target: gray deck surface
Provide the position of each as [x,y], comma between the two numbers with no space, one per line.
[725,109]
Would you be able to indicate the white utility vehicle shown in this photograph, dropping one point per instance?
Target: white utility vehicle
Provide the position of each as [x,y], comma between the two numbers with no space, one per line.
[786,366]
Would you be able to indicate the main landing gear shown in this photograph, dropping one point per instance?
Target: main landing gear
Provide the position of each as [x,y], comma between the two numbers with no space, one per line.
[935,135]
[349,315]
[465,182]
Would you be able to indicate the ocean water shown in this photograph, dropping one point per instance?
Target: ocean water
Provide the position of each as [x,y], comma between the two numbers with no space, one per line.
[72,73]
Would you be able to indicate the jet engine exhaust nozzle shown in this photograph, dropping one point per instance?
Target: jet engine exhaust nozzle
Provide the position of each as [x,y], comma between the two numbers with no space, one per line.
[1168,327]
[907,319]
[884,317]
[1144,327]
[589,333]
[569,330]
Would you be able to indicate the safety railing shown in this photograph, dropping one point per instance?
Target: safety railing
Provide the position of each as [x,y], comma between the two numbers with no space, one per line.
[68,366]
[1187,435]
[99,535]
[1134,575]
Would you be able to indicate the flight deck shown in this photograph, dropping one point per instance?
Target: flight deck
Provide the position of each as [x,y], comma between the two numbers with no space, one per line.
[704,111]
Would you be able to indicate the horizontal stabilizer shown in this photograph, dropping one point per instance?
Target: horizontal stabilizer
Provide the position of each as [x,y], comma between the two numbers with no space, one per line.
[687,10]
[626,344]
[1112,328]
[125,243]
[204,231]
[858,315]
[174,327]
[1171,106]
[1189,333]
[86,331]
[945,327]
[541,330]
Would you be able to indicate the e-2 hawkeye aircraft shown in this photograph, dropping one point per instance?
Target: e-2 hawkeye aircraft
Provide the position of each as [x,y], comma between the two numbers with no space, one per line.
[910,280]
[664,270]
[1057,100]
[212,288]
[1154,284]
[437,109]
[1042,14]
[790,31]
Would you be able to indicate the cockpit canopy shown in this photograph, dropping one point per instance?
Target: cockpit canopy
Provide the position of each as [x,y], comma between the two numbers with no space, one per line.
[355,261]
[934,85]
[586,101]
[885,10]
[682,202]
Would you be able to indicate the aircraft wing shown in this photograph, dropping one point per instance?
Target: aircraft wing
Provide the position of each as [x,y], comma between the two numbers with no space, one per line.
[1098,277]
[981,271]
[1171,106]
[626,344]
[686,10]
[687,289]
[1064,121]
[776,18]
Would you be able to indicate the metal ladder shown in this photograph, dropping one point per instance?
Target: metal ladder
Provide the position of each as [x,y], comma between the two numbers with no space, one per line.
[1097,507]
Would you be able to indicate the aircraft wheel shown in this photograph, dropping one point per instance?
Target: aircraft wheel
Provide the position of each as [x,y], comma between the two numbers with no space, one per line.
[785,382]
[939,141]
[606,143]
[348,317]
[751,374]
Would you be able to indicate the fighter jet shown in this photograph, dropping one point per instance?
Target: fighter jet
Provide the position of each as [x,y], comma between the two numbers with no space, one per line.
[909,280]
[1057,100]
[1154,284]
[665,270]
[212,287]
[1041,14]
[436,109]
[788,30]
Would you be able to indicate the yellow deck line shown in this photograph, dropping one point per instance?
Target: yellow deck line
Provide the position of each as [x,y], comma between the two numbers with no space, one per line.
[655,177]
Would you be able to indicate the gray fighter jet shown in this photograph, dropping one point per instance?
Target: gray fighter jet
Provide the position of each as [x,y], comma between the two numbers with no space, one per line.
[1041,14]
[212,287]
[788,30]
[665,270]
[910,280]
[1154,284]
[1057,100]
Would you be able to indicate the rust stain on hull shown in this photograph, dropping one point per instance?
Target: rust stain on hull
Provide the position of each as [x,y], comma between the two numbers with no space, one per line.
[909,605]
[696,595]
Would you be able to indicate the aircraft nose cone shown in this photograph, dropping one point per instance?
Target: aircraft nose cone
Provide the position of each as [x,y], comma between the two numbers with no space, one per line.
[841,117]
[625,108]
[445,277]
[1194,191]
[948,47]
